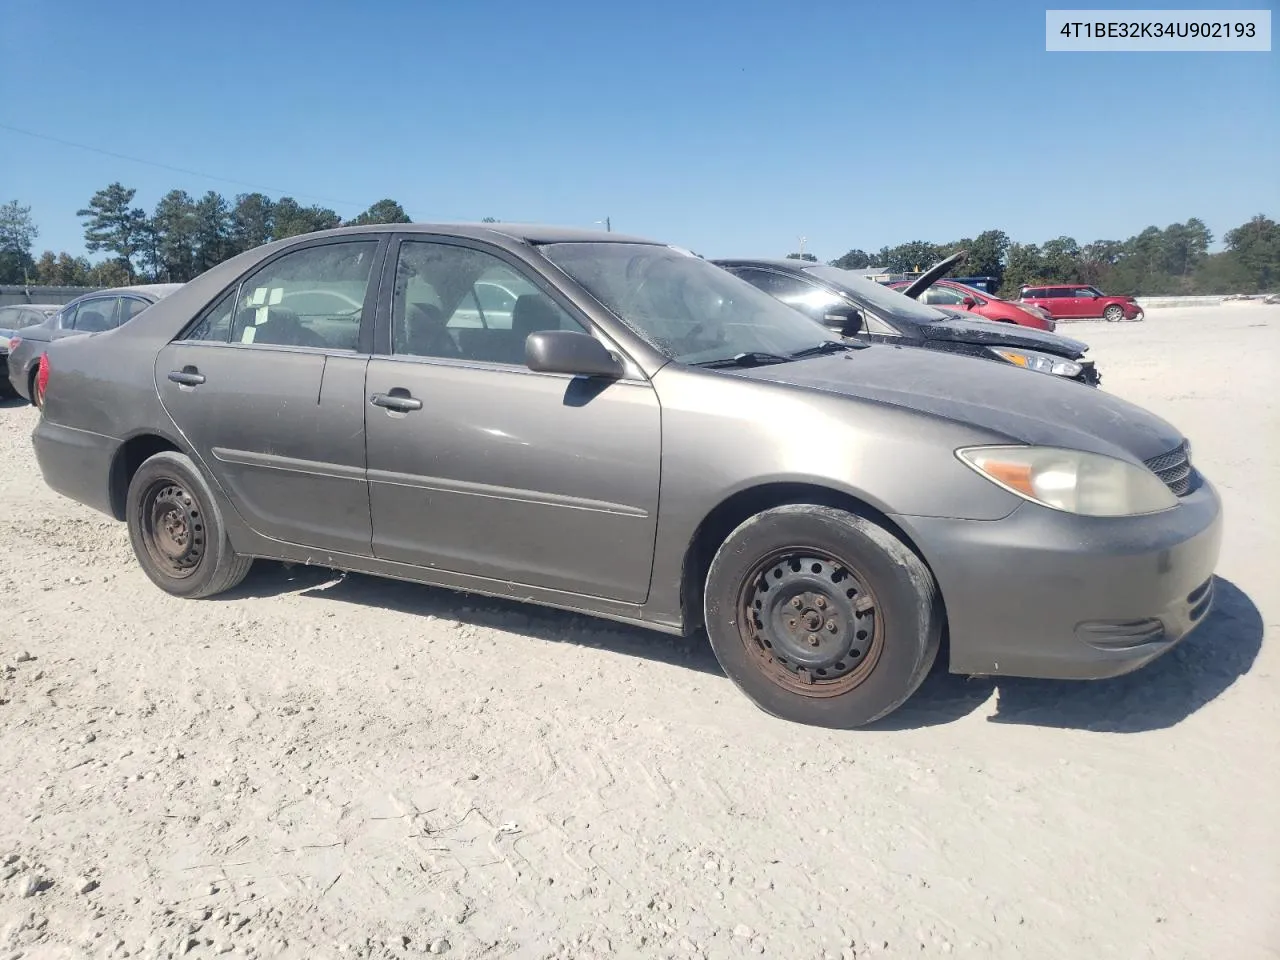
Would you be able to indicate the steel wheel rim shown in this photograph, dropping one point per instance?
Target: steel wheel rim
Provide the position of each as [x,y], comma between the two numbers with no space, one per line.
[1114,313]
[811,622]
[173,529]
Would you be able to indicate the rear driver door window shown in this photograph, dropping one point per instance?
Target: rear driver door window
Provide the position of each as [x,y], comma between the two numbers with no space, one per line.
[313,297]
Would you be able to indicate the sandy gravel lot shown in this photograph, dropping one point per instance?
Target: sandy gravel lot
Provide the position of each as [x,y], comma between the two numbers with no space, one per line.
[328,767]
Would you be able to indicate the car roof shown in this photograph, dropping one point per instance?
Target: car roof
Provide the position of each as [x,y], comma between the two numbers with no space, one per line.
[785,263]
[1054,286]
[534,233]
[153,291]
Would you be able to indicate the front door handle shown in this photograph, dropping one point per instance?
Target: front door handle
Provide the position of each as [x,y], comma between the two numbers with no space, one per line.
[398,401]
[187,377]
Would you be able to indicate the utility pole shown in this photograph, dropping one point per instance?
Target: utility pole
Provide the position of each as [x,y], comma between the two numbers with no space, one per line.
[803,241]
[608,225]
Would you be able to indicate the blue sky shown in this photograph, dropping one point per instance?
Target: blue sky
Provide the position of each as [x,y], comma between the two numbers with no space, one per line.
[727,127]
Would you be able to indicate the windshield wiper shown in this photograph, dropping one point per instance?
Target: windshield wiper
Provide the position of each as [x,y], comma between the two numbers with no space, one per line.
[751,358]
[827,346]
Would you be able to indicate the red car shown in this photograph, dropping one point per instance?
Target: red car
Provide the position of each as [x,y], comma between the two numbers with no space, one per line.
[956,296]
[1073,301]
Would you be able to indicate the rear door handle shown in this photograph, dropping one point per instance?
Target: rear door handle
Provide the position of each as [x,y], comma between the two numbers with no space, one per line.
[400,402]
[187,377]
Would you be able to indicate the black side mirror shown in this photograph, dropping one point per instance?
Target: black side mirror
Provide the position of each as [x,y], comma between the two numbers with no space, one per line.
[568,351]
[845,320]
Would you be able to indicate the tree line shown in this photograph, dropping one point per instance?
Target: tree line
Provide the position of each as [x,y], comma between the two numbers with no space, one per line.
[1170,261]
[180,239]
[183,236]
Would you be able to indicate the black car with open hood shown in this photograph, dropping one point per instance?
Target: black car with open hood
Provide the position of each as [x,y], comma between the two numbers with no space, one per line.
[858,307]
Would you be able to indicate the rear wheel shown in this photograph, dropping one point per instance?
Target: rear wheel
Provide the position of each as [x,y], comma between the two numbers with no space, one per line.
[177,532]
[1113,313]
[34,391]
[821,616]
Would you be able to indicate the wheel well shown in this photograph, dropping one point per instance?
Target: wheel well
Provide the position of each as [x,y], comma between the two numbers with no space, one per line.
[131,455]
[725,518]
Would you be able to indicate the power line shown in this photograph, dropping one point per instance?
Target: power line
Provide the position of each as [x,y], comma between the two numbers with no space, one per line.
[170,167]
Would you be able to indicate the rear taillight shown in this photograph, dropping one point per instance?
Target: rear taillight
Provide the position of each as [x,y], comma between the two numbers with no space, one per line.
[14,343]
[42,375]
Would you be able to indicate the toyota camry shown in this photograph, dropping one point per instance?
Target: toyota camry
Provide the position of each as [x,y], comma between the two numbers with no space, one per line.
[629,431]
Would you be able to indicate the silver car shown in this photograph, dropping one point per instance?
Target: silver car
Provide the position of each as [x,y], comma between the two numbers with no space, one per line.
[15,317]
[91,313]
[643,437]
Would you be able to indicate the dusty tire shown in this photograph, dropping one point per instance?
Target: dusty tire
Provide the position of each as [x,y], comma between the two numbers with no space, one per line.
[820,616]
[177,531]
[1113,314]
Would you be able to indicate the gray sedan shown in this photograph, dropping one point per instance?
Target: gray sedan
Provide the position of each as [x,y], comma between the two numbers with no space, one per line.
[92,313]
[639,435]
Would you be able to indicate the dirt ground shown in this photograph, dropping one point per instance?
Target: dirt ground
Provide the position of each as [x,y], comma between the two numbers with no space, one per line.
[325,767]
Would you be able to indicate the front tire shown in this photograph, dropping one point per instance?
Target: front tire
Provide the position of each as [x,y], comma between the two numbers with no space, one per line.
[1113,314]
[820,616]
[177,531]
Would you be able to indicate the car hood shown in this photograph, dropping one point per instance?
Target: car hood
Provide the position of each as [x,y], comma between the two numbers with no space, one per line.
[990,333]
[1020,405]
[926,279]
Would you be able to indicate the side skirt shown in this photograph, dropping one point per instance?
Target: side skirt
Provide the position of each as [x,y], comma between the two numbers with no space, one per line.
[614,610]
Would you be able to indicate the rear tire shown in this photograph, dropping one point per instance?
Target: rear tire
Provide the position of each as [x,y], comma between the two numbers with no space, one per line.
[822,617]
[33,388]
[177,531]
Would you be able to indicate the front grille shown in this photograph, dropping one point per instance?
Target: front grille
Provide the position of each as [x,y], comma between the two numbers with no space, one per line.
[1174,468]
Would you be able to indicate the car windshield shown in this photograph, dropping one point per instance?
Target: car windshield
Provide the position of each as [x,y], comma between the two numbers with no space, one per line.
[685,307]
[887,302]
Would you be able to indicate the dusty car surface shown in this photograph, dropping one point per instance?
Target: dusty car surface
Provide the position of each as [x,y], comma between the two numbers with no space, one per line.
[91,313]
[855,306]
[643,437]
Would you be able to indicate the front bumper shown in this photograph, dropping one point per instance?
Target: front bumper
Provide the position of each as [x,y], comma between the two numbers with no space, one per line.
[1046,594]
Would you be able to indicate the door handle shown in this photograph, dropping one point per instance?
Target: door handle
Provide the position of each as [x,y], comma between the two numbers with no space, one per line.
[400,402]
[187,377]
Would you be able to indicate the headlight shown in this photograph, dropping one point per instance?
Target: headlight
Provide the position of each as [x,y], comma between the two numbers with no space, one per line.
[1088,484]
[1039,362]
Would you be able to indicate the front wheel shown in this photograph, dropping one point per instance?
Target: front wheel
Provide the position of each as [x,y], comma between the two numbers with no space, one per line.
[177,532]
[1113,313]
[820,616]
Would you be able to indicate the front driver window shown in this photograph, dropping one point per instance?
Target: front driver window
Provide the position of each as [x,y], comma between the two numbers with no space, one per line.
[462,303]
